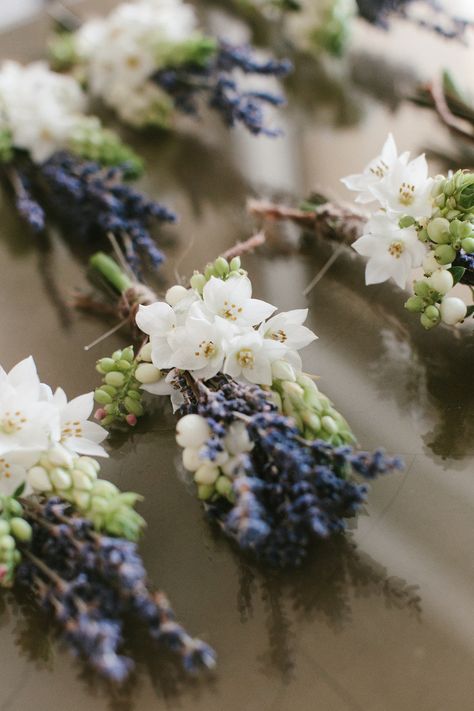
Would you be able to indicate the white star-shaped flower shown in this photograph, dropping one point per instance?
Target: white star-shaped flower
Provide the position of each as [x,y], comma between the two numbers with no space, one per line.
[375,171]
[406,189]
[249,355]
[392,251]
[232,300]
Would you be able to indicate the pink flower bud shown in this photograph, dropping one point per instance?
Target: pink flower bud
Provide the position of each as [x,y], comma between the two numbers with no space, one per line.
[131,420]
[100,414]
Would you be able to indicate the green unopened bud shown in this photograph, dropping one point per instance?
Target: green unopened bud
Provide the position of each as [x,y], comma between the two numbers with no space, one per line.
[430,317]
[444,254]
[209,271]
[89,466]
[438,230]
[102,487]
[7,543]
[468,244]
[205,491]
[423,235]
[133,406]
[116,355]
[422,288]
[60,478]
[101,397]
[282,370]
[198,282]
[293,390]
[4,527]
[109,389]
[145,353]
[81,481]
[105,364]
[147,373]
[312,421]
[224,486]
[123,365]
[128,354]
[415,304]
[115,379]
[221,266]
[406,221]
[235,264]
[21,529]
[14,507]
[329,424]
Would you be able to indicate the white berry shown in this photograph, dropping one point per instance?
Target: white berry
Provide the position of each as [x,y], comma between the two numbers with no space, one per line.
[453,310]
[441,280]
[191,459]
[175,294]
[192,431]
[206,474]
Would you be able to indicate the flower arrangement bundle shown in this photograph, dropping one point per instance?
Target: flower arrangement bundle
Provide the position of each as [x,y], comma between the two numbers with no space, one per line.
[65,165]
[419,222]
[327,25]
[273,461]
[68,536]
[149,57]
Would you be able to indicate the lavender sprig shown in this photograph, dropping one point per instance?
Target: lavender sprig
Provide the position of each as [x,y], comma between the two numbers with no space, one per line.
[215,78]
[90,583]
[286,491]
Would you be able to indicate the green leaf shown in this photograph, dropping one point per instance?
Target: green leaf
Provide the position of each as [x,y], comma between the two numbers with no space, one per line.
[19,490]
[458,273]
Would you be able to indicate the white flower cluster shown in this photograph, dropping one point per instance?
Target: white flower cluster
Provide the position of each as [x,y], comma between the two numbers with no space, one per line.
[36,423]
[222,329]
[122,50]
[402,234]
[39,109]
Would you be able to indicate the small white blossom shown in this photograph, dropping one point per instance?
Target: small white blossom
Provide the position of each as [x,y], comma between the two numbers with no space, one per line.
[251,356]
[375,171]
[406,189]
[392,252]
[287,328]
[159,322]
[232,300]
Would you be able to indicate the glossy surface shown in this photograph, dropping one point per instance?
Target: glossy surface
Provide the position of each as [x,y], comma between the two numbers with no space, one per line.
[382,621]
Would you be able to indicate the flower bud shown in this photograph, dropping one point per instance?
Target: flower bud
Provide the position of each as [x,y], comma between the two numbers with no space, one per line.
[329,424]
[293,390]
[415,304]
[60,455]
[438,230]
[198,282]
[191,459]
[430,317]
[224,486]
[192,431]
[38,479]
[444,254]
[80,480]
[221,266]
[430,263]
[131,419]
[205,492]
[7,543]
[282,370]
[442,281]
[146,373]
[128,354]
[102,397]
[105,364]
[175,294]
[114,378]
[145,352]
[235,264]
[312,421]
[21,529]
[468,244]
[89,466]
[82,500]
[453,310]
[206,474]
[4,527]
[123,365]
[102,487]
[14,507]
[60,478]
[133,407]
[237,439]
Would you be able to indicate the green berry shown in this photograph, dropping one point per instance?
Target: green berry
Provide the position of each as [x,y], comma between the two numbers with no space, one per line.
[468,244]
[438,230]
[445,254]
[415,304]
[21,529]
[101,397]
[114,378]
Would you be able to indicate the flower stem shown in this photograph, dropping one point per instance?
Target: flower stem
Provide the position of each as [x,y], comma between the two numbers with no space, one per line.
[111,271]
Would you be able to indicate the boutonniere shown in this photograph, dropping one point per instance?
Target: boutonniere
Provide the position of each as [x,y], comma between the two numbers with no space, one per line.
[68,535]
[148,59]
[273,461]
[418,222]
[61,164]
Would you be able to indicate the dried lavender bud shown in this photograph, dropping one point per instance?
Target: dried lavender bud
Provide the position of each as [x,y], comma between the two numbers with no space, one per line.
[90,583]
[185,83]
[285,490]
